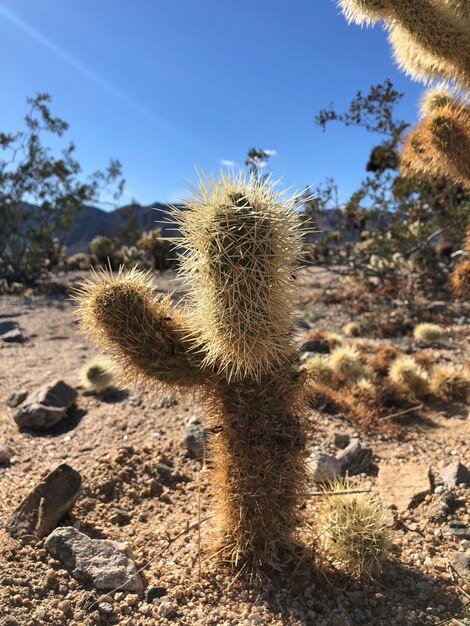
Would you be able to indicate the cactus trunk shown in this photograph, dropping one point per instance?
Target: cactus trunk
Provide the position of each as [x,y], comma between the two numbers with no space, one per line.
[258,451]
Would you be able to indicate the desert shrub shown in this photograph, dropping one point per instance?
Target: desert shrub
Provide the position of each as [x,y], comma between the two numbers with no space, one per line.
[384,357]
[153,242]
[79,261]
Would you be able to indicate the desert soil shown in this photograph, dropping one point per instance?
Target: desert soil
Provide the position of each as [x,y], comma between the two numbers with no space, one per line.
[115,443]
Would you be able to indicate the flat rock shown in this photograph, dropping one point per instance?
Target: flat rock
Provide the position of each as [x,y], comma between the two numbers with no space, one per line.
[454,474]
[324,468]
[195,437]
[46,406]
[355,458]
[16,398]
[403,486]
[443,504]
[43,508]
[101,563]
[13,336]
[437,306]
[459,529]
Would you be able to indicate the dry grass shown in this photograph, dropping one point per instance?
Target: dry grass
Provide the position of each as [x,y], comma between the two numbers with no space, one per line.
[384,357]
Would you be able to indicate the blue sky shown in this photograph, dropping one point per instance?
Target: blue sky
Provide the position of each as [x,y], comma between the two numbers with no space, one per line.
[167,85]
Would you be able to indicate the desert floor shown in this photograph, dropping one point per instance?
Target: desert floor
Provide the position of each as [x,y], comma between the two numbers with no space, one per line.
[116,441]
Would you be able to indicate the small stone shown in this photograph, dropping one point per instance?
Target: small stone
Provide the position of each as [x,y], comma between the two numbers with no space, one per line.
[319,345]
[340,439]
[454,474]
[437,306]
[46,406]
[195,437]
[6,454]
[120,517]
[168,401]
[13,336]
[355,458]
[166,609]
[132,599]
[153,593]
[403,486]
[64,606]
[45,506]
[444,503]
[97,562]
[461,562]
[324,468]
[459,529]
[16,398]
[135,400]
[105,607]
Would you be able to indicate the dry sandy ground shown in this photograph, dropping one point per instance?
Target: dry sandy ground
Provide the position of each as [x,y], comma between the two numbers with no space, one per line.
[116,446]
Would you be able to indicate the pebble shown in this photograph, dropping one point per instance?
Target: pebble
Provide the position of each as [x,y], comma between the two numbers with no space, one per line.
[105,607]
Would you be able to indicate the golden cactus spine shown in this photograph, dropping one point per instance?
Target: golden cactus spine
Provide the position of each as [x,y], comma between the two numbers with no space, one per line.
[234,343]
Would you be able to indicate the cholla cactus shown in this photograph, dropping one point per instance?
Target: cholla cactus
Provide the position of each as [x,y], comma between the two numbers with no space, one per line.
[408,374]
[439,145]
[430,40]
[352,329]
[450,383]
[346,365]
[353,530]
[96,374]
[428,333]
[232,343]
[153,242]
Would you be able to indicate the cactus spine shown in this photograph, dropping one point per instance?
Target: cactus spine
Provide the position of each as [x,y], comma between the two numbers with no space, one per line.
[234,343]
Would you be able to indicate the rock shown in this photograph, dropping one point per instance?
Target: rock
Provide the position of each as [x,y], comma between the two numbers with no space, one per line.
[105,607]
[42,509]
[437,306]
[46,406]
[13,336]
[324,468]
[340,439]
[403,486]
[16,398]
[98,562]
[135,400]
[459,529]
[168,401]
[10,332]
[153,593]
[444,504]
[320,345]
[355,458]
[166,609]
[461,562]
[120,517]
[195,437]
[454,474]
[6,454]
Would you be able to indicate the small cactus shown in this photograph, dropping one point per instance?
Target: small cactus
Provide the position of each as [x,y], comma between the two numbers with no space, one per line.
[450,383]
[353,530]
[96,374]
[407,373]
[428,333]
[352,329]
[346,364]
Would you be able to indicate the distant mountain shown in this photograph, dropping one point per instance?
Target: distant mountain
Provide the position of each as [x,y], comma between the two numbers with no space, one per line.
[92,221]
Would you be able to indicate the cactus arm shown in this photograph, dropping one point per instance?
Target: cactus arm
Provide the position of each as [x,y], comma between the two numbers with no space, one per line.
[142,332]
